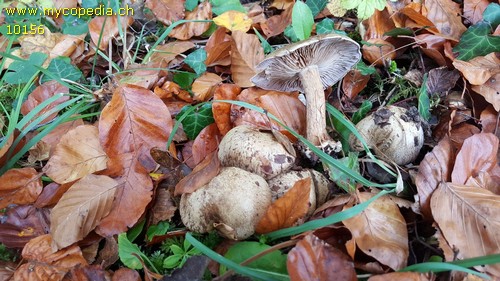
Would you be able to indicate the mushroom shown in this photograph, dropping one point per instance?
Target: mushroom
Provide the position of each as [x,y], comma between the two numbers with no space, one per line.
[280,184]
[254,151]
[395,134]
[309,66]
[233,202]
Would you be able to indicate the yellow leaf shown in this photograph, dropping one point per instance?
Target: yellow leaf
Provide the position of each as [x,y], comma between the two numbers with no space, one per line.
[234,20]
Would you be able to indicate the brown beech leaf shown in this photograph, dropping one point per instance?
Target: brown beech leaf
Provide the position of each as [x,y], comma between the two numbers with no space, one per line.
[246,53]
[19,186]
[446,16]
[221,110]
[51,194]
[412,11]
[354,82]
[202,174]
[54,136]
[314,259]
[190,29]
[42,93]
[204,86]
[163,54]
[206,142]
[164,207]
[86,273]
[126,274]
[380,231]
[489,121]
[434,169]
[490,90]
[380,52]
[81,209]
[78,154]
[276,24]
[22,223]
[471,161]
[441,80]
[473,10]
[43,264]
[133,122]
[468,218]
[401,276]
[167,11]
[479,69]
[106,28]
[218,48]
[287,210]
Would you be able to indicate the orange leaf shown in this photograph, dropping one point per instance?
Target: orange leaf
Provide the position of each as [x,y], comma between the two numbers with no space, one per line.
[354,82]
[222,111]
[479,69]
[106,28]
[218,48]
[446,16]
[206,142]
[43,264]
[412,11]
[234,20]
[201,175]
[402,276]
[287,210]
[190,29]
[81,209]
[379,52]
[167,52]
[490,90]
[42,93]
[78,154]
[314,259]
[54,136]
[19,186]
[246,53]
[167,11]
[276,24]
[204,85]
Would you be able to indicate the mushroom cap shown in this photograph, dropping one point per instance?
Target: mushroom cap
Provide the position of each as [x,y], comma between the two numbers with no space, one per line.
[254,151]
[333,54]
[233,202]
[396,133]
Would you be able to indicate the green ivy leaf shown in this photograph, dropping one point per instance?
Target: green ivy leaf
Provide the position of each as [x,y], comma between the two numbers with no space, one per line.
[365,107]
[424,103]
[302,20]
[74,25]
[61,67]
[126,251]
[185,79]
[492,14]
[196,60]
[239,252]
[196,120]
[156,230]
[21,71]
[221,6]
[190,5]
[316,6]
[325,26]
[477,41]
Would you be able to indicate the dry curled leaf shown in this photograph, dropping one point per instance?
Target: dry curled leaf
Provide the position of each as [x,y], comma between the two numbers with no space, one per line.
[287,210]
[190,29]
[165,53]
[81,209]
[313,259]
[479,69]
[78,154]
[203,87]
[201,175]
[218,48]
[19,186]
[246,53]
[489,90]
[221,110]
[380,231]
[206,142]
[446,16]
[468,218]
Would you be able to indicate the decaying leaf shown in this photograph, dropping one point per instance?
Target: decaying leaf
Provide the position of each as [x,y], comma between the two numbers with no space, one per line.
[380,231]
[78,154]
[468,218]
[287,210]
[479,69]
[167,52]
[19,186]
[206,142]
[81,209]
[190,29]
[354,82]
[490,90]
[246,53]
[167,11]
[22,223]
[446,16]
[313,259]
[406,276]
[43,264]
[221,110]
[40,94]
[201,175]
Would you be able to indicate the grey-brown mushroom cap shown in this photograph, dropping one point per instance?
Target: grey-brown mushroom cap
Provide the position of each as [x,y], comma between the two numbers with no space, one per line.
[334,55]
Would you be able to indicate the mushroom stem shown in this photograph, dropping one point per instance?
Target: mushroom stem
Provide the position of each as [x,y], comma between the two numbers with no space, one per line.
[316,108]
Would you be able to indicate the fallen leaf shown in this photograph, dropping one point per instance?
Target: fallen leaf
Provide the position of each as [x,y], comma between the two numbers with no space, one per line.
[164,207]
[108,255]
[401,276]
[81,209]
[287,210]
[201,175]
[489,121]
[222,111]
[54,136]
[378,24]
[234,20]
[204,85]
[471,161]
[380,231]
[165,53]
[106,28]
[441,80]
[187,30]
[434,169]
[133,122]
[218,48]
[167,11]
[379,53]
[433,47]
[446,16]
[51,194]
[142,75]
[313,259]
[22,223]
[246,53]
[19,186]
[78,154]
[43,264]
[413,11]
[38,153]
[354,82]
[86,273]
[490,90]
[42,93]
[468,218]
[473,10]
[479,69]
[206,142]
[276,24]
[126,274]
[282,4]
